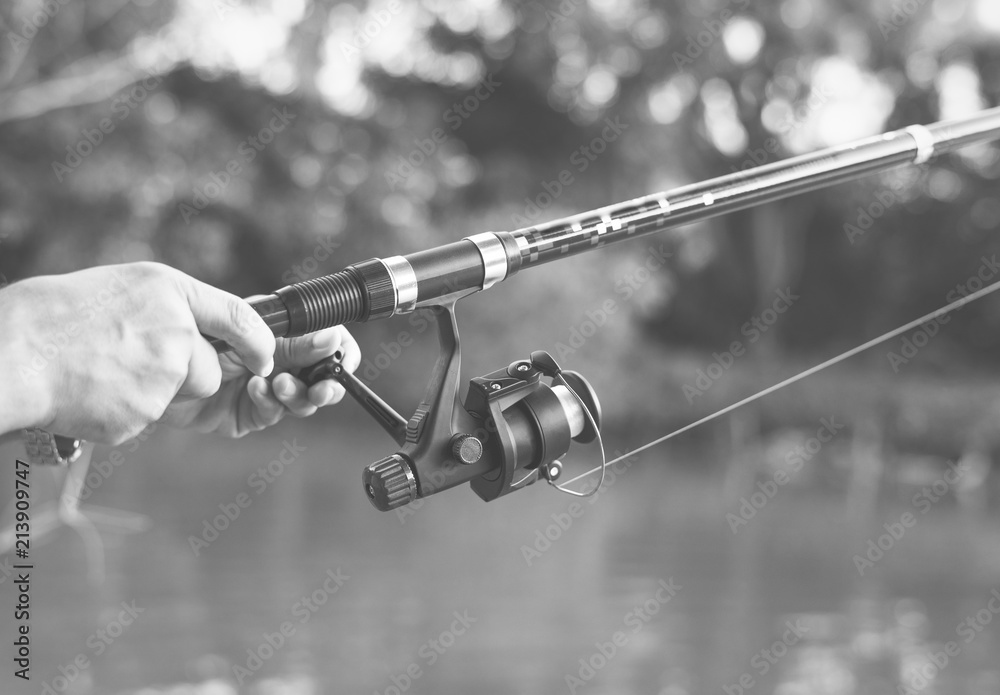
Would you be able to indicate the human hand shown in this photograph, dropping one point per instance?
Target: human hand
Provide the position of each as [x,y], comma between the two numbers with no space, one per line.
[101,353]
[246,403]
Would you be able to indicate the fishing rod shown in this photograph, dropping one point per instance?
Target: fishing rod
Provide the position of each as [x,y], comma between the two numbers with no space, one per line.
[513,427]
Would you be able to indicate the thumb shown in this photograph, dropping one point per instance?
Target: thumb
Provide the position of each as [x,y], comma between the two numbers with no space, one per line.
[223,315]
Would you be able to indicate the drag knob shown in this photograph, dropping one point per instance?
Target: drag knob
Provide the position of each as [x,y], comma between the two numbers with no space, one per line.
[389,483]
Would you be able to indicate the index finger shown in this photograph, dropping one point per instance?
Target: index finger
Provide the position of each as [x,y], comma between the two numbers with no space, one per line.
[220,314]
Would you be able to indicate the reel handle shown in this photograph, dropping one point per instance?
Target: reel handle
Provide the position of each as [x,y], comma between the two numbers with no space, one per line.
[510,431]
[383,413]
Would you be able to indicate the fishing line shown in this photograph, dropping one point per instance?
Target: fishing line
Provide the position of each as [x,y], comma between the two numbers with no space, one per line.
[958,304]
[438,277]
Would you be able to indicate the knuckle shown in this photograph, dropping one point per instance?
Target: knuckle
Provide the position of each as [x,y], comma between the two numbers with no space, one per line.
[243,318]
[103,432]
[241,429]
[116,433]
[156,407]
[212,384]
[304,411]
[115,439]
[171,352]
[152,269]
[205,387]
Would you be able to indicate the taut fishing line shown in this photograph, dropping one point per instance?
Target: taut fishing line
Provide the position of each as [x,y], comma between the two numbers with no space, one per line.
[958,304]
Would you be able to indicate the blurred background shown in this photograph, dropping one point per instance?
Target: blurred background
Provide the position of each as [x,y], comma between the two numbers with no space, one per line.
[257,143]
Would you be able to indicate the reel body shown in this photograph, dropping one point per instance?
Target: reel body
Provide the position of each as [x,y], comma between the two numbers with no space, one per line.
[511,430]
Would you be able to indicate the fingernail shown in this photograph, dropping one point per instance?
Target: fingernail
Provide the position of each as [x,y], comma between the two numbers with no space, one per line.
[284,389]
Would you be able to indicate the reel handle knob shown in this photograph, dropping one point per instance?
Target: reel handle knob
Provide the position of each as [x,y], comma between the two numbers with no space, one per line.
[390,483]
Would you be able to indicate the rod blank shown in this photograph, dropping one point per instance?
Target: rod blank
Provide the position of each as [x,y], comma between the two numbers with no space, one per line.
[659,211]
[376,288]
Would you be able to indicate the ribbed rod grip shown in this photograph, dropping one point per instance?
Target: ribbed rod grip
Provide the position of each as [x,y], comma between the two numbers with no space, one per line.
[325,301]
[310,306]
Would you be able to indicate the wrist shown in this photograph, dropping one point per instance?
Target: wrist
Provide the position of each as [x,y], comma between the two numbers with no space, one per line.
[25,401]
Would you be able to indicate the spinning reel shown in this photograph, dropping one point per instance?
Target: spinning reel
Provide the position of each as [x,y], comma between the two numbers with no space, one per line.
[513,428]
[511,431]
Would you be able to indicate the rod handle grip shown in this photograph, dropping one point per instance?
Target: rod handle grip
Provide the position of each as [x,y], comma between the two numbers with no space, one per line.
[271,308]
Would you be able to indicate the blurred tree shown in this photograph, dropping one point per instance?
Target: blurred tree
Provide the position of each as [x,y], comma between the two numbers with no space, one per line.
[119,118]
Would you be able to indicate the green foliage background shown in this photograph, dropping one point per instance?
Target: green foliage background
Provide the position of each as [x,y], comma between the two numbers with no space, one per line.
[368,82]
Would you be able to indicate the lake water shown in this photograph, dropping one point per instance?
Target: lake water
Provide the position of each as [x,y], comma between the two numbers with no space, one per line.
[648,586]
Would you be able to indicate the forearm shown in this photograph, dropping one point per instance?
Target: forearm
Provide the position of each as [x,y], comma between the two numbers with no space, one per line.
[23,395]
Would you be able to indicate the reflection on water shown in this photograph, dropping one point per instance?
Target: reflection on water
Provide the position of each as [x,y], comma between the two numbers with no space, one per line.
[306,589]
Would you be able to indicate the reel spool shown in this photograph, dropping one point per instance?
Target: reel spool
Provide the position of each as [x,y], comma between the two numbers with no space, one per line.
[511,431]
